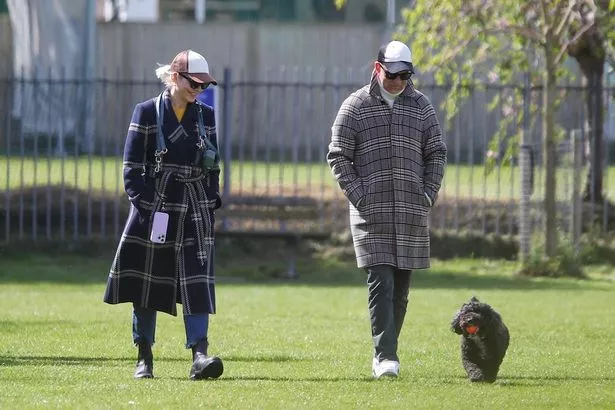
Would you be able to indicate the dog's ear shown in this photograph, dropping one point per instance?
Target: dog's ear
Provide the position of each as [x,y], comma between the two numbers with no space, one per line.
[491,317]
[474,300]
[456,326]
[494,317]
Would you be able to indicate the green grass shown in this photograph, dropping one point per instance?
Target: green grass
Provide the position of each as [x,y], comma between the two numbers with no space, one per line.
[105,174]
[302,343]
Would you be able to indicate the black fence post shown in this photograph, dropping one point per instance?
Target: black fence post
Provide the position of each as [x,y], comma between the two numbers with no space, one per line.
[227,132]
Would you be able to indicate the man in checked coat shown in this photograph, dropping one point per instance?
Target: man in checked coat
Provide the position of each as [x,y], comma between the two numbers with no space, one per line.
[166,173]
[388,156]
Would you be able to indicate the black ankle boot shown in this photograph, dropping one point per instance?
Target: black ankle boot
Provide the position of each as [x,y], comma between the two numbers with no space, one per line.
[203,366]
[145,362]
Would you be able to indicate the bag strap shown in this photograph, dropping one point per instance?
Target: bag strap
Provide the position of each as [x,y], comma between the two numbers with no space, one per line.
[161,147]
[202,133]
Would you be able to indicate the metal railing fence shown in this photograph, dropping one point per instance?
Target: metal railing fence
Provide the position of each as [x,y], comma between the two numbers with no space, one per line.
[60,179]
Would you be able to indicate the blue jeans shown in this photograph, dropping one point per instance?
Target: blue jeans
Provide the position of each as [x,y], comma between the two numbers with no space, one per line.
[144,326]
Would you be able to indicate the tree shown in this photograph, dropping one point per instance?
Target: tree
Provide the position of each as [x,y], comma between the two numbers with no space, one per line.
[591,48]
[449,37]
[453,39]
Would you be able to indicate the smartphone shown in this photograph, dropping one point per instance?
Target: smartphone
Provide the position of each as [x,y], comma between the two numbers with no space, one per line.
[159,227]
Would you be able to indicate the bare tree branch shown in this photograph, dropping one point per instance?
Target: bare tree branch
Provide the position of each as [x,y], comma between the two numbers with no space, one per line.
[457,50]
[573,40]
[545,14]
[525,32]
[566,20]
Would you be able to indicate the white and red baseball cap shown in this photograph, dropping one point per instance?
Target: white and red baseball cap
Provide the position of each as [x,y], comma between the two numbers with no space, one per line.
[395,57]
[193,65]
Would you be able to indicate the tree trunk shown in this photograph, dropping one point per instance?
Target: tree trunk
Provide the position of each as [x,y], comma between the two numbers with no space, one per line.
[590,53]
[592,68]
[550,149]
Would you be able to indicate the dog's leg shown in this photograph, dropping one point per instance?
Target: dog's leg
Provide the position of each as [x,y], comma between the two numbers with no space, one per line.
[495,351]
[499,351]
[471,360]
[475,373]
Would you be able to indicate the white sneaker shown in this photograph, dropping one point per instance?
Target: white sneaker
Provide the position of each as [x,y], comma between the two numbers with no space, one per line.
[385,368]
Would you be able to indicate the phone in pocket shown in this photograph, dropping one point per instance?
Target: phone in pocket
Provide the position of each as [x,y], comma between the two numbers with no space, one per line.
[159,227]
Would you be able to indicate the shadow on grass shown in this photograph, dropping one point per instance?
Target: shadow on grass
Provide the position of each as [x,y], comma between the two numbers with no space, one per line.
[60,360]
[445,279]
[501,382]
[429,279]
[89,264]
[284,379]
[520,380]
[102,361]
[539,381]
[276,358]
[422,280]
[93,273]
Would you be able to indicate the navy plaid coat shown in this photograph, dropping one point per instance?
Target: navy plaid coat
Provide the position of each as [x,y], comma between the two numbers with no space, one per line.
[386,160]
[181,270]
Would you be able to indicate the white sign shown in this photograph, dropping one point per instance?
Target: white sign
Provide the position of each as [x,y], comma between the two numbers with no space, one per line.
[132,10]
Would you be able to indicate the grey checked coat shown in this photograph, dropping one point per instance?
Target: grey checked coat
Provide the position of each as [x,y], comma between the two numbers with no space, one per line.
[181,270]
[385,160]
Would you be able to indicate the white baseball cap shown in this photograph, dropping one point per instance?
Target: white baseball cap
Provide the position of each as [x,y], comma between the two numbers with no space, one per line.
[194,65]
[395,57]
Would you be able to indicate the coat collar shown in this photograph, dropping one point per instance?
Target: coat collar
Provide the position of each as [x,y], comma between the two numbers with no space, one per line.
[374,88]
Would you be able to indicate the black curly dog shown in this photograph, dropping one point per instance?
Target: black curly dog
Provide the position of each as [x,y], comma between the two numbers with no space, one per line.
[484,340]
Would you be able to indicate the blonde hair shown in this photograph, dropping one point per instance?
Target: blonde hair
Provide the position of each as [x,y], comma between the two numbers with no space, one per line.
[163,72]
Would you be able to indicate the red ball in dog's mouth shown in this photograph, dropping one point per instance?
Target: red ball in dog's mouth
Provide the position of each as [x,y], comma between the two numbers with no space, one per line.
[471,329]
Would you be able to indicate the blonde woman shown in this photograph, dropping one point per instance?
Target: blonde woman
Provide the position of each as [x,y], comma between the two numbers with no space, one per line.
[166,252]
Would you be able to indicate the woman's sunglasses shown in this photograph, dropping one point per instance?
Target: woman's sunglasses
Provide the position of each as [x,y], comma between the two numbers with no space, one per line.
[404,75]
[195,85]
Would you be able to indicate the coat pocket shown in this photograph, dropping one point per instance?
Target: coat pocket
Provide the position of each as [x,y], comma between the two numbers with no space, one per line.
[143,214]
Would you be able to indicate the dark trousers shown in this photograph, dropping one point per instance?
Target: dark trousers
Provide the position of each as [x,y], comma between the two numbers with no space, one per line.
[388,289]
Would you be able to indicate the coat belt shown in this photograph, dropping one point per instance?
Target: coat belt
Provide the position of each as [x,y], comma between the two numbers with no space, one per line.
[203,228]
[202,222]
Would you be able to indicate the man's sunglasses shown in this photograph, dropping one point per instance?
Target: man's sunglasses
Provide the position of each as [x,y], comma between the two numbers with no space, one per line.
[195,85]
[404,75]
